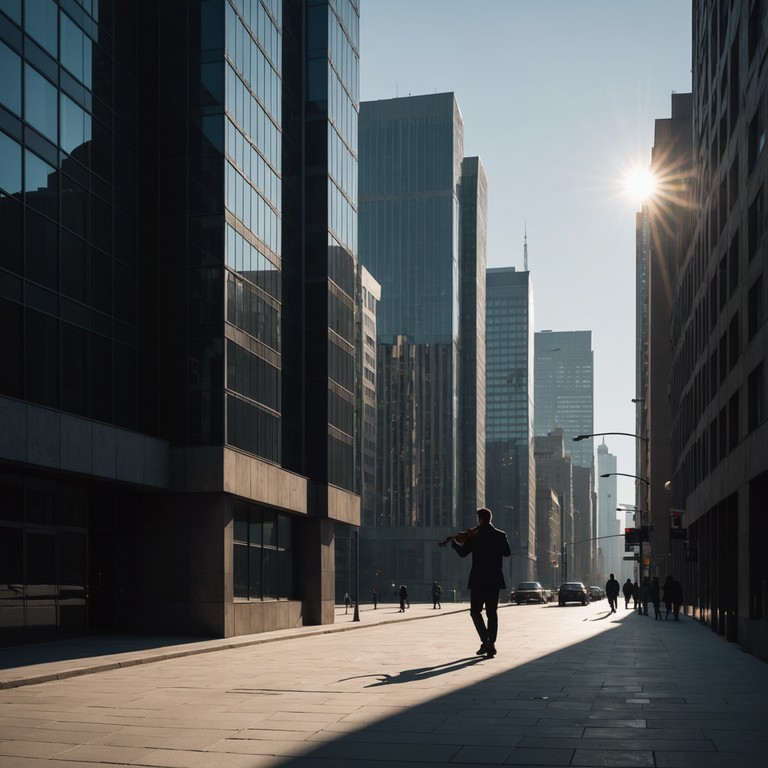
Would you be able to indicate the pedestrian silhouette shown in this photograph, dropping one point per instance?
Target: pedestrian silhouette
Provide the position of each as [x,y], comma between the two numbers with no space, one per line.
[627,589]
[436,592]
[667,589]
[375,598]
[654,592]
[403,598]
[612,588]
[642,608]
[347,601]
[488,547]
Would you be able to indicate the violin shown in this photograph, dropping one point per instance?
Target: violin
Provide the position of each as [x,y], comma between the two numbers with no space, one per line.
[461,537]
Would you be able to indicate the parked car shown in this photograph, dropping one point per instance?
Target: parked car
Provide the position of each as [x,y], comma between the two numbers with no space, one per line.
[529,592]
[572,592]
[596,593]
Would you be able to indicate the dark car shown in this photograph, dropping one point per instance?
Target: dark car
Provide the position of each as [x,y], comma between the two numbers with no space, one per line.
[572,592]
[596,593]
[528,592]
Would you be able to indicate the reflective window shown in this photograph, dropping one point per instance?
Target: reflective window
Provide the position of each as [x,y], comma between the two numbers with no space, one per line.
[263,554]
[10,167]
[36,173]
[40,22]
[10,82]
[41,103]
[12,8]
[76,50]
[75,125]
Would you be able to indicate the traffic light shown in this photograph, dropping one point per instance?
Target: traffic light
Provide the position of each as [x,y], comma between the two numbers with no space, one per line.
[631,539]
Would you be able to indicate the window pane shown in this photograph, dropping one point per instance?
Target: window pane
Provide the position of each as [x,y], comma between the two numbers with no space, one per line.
[40,22]
[10,167]
[10,82]
[75,125]
[72,45]
[40,103]
[241,570]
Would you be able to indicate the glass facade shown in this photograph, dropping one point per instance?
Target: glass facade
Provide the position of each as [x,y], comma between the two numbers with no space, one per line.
[263,554]
[510,466]
[253,250]
[330,225]
[410,173]
[157,207]
[68,295]
[564,389]
[68,281]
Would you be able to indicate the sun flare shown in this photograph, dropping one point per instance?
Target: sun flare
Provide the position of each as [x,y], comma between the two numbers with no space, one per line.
[641,184]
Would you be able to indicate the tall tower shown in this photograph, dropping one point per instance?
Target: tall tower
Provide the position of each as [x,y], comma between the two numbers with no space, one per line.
[510,468]
[610,550]
[180,445]
[564,389]
[422,237]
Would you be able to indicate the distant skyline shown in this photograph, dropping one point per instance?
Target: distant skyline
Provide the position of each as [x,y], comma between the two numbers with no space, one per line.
[559,101]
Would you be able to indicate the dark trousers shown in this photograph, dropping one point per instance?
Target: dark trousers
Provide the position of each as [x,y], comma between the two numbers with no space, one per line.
[490,599]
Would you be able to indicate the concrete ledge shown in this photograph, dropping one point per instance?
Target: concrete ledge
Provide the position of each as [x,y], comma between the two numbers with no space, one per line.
[45,437]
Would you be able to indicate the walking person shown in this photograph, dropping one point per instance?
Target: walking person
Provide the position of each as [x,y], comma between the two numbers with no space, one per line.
[403,598]
[642,607]
[677,599]
[375,598]
[667,589]
[627,590]
[612,589]
[436,592]
[635,595]
[488,547]
[654,592]
[347,601]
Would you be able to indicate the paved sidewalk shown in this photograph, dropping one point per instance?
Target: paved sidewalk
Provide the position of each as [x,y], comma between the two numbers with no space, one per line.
[61,659]
[572,686]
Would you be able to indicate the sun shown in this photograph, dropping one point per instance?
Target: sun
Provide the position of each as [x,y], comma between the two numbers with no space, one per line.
[640,184]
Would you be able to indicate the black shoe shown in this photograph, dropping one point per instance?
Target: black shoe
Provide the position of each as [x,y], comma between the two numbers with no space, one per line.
[482,650]
[491,650]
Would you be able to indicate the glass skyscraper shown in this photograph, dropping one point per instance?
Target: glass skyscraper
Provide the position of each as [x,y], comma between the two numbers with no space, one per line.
[422,237]
[564,389]
[178,445]
[510,466]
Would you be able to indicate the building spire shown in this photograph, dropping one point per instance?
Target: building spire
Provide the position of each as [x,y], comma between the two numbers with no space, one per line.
[525,248]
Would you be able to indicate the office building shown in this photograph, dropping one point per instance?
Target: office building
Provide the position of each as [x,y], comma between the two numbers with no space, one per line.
[610,529]
[663,235]
[564,389]
[554,476]
[510,465]
[422,237]
[717,385]
[177,447]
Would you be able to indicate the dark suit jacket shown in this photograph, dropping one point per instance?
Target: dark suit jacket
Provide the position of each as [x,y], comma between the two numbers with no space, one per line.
[488,549]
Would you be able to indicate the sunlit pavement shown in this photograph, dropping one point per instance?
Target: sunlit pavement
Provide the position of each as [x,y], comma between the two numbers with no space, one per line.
[571,686]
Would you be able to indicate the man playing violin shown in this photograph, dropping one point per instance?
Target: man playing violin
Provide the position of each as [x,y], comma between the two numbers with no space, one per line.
[488,546]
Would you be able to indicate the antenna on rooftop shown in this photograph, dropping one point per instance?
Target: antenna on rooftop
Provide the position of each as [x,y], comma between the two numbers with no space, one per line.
[525,248]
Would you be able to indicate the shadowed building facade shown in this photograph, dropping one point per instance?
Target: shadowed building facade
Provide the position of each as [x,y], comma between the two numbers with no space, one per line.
[717,384]
[177,445]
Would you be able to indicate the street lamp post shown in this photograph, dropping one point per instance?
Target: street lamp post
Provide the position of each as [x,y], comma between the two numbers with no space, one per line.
[640,510]
[356,616]
[578,438]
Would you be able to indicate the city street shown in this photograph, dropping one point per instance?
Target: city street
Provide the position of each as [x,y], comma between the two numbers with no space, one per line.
[571,686]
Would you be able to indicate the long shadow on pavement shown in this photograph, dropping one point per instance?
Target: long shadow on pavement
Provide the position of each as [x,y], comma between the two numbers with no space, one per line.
[638,694]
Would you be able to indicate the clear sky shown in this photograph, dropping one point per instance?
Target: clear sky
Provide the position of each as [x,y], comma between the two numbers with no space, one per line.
[559,99]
